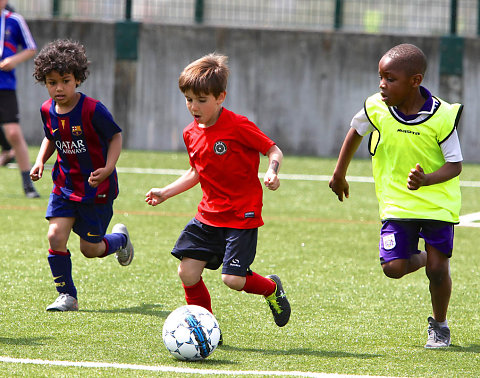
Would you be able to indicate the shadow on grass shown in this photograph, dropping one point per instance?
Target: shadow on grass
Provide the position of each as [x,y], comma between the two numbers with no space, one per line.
[144,309]
[33,341]
[302,352]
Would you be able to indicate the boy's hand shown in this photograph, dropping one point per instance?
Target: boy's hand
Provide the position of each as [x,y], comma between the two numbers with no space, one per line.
[271,180]
[416,178]
[7,64]
[154,197]
[98,176]
[339,187]
[36,172]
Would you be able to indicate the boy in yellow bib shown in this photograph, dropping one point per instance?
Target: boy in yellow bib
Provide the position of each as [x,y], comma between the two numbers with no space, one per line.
[416,160]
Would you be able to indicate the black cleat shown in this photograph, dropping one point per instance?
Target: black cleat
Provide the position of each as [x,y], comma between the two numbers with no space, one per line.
[278,302]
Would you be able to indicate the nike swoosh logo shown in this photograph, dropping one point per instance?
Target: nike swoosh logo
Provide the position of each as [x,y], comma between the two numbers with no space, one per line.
[54,278]
[53,130]
[90,234]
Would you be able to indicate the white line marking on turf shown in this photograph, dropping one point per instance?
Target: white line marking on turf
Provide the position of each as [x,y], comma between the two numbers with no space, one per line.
[178,370]
[470,220]
[283,176]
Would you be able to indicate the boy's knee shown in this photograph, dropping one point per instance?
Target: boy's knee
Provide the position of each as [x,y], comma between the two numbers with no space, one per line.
[181,272]
[92,250]
[88,252]
[393,270]
[233,282]
[437,273]
[187,276]
[12,133]
[55,240]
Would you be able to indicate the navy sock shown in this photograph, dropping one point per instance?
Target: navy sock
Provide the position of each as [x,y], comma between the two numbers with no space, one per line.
[27,181]
[61,266]
[113,242]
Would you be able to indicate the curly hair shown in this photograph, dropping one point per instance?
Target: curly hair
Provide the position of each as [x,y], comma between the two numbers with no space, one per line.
[63,56]
[208,74]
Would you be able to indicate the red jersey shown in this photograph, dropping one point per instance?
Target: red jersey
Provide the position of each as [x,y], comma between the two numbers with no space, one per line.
[226,157]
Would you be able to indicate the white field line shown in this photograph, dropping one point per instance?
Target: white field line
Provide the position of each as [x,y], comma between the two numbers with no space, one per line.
[469,220]
[86,364]
[283,176]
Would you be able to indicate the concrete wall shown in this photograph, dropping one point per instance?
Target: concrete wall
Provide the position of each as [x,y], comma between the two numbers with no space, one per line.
[301,88]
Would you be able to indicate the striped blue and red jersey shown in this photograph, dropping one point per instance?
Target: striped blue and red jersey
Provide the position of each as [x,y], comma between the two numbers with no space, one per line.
[14,33]
[81,138]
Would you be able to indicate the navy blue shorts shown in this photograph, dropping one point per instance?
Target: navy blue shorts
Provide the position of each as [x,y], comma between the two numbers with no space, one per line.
[8,107]
[91,220]
[399,239]
[234,248]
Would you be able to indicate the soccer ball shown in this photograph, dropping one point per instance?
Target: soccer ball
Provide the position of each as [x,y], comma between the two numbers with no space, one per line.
[191,333]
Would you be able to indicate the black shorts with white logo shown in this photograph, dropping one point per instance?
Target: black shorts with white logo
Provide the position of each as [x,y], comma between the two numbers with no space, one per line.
[234,248]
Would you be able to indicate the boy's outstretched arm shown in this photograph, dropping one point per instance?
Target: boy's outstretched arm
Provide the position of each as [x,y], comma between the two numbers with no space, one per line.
[188,180]
[417,177]
[338,183]
[275,157]
[46,150]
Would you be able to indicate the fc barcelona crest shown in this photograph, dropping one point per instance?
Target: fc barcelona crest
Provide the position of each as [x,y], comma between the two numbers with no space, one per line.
[77,130]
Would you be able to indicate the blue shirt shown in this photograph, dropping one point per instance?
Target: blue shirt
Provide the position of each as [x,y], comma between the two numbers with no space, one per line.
[14,33]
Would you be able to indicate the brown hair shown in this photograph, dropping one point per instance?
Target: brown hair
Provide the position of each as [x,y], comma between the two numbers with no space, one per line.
[64,56]
[207,75]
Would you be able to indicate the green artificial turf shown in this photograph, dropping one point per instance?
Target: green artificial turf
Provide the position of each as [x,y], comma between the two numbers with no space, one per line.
[347,317]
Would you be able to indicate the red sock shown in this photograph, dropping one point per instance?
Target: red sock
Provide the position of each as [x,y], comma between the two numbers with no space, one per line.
[256,284]
[198,295]
[60,253]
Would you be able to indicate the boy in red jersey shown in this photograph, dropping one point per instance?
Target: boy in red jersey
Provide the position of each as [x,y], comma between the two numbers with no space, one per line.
[88,144]
[223,148]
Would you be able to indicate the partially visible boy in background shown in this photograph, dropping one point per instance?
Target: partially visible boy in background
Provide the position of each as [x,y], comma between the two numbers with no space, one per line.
[14,34]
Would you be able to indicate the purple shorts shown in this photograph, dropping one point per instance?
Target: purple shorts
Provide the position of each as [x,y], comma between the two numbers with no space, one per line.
[399,238]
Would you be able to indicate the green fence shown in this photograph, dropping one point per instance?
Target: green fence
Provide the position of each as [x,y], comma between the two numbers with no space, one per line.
[422,17]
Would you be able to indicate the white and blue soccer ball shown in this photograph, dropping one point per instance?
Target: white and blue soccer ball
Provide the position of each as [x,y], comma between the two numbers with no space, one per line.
[191,333]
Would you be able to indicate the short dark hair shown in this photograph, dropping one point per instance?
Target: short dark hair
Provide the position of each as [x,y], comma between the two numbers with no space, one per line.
[64,56]
[206,75]
[411,59]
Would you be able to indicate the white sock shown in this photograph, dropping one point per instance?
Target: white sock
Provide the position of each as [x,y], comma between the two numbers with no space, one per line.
[443,324]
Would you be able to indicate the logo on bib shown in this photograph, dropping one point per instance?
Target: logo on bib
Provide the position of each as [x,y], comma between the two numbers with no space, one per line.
[389,241]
